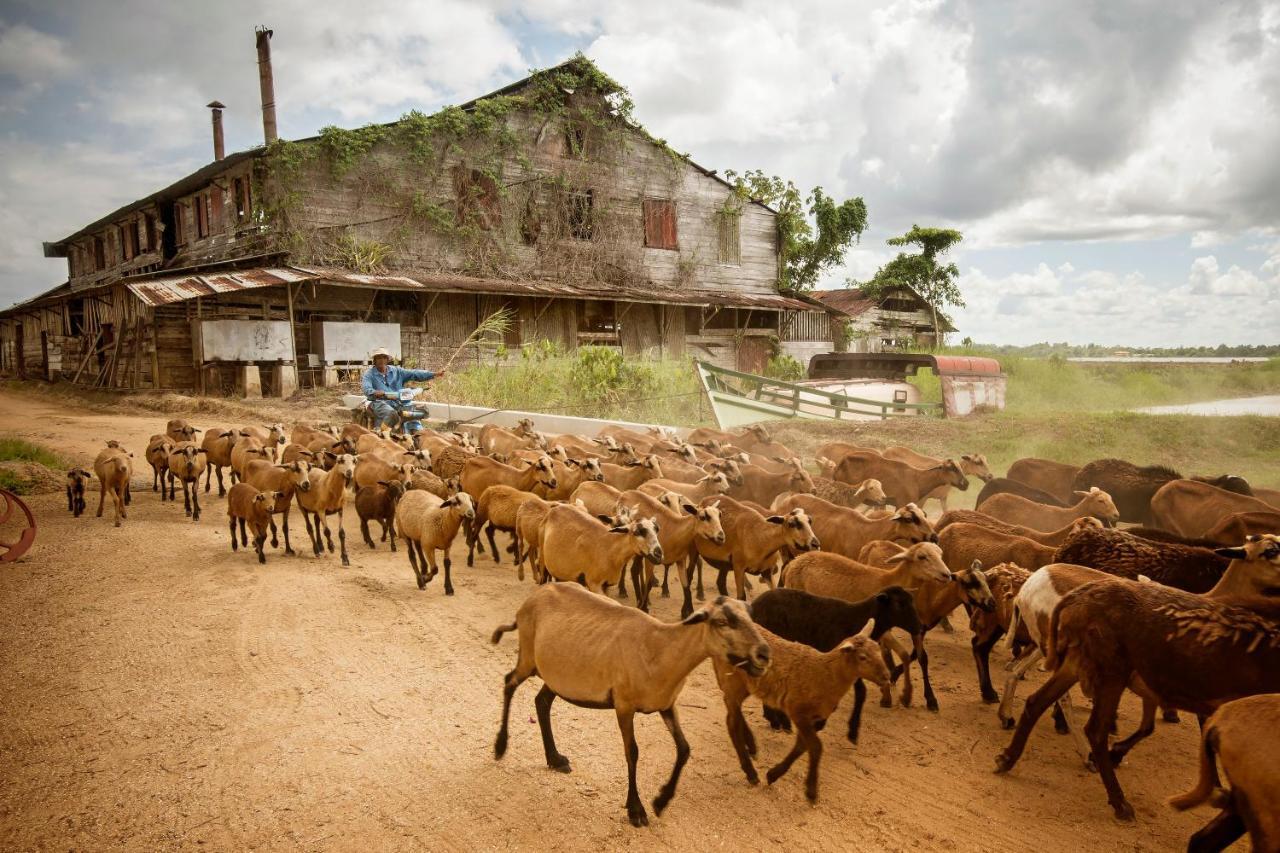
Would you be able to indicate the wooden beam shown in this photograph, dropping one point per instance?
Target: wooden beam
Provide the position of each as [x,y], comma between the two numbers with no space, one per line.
[293,331]
[155,356]
[89,353]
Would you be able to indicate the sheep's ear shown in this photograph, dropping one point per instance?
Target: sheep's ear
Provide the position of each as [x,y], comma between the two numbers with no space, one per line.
[975,566]
[897,558]
[775,519]
[619,530]
[450,501]
[868,628]
[690,509]
[697,618]
[384,483]
[1232,553]
[607,519]
[882,598]
[632,464]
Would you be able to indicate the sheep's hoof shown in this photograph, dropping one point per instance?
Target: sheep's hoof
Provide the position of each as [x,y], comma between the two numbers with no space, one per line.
[1004,763]
[637,816]
[931,704]
[773,775]
[422,582]
[1124,811]
[560,764]
[753,778]
[289,552]
[1169,715]
[887,702]
[811,794]
[448,590]
[1007,723]
[990,697]
[1090,766]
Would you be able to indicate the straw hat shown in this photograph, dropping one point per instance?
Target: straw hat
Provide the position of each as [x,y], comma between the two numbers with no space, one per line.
[379,351]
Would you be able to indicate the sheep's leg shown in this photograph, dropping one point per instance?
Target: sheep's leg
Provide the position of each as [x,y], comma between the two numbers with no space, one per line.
[448,569]
[736,724]
[855,716]
[186,499]
[890,644]
[740,580]
[382,522]
[317,545]
[155,477]
[697,558]
[389,529]
[682,757]
[1011,685]
[342,539]
[244,537]
[1218,834]
[778,720]
[814,744]
[1037,703]
[322,522]
[1147,725]
[102,496]
[231,522]
[1064,711]
[798,749]
[1169,714]
[364,531]
[422,562]
[666,576]
[1105,701]
[622,586]
[493,544]
[413,564]
[542,704]
[172,491]
[1063,727]
[922,656]
[510,683]
[208,477]
[259,545]
[982,659]
[626,722]
[520,555]
[284,523]
[684,576]
[195,503]
[221,488]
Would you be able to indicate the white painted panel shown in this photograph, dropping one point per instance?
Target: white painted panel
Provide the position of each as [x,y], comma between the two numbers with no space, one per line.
[245,340]
[345,342]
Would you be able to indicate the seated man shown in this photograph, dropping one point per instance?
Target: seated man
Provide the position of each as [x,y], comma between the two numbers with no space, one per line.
[382,384]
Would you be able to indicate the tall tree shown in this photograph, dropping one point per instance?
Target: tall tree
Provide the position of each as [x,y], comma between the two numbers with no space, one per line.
[807,250]
[935,282]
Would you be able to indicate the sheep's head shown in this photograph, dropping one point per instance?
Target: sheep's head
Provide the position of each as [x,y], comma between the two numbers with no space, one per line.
[924,561]
[716,482]
[299,474]
[462,504]
[264,502]
[732,636]
[871,492]
[187,432]
[896,608]
[975,465]
[1261,553]
[114,445]
[974,588]
[800,480]
[547,470]
[863,654]
[731,470]
[709,523]
[955,476]
[761,434]
[395,489]
[910,524]
[345,465]
[275,434]
[592,470]
[685,451]
[419,458]
[1098,503]
[77,476]
[559,453]
[1086,523]
[826,467]
[524,426]
[799,530]
[644,535]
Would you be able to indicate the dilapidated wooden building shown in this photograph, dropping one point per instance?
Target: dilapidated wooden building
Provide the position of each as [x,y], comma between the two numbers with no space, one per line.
[856,321]
[544,197]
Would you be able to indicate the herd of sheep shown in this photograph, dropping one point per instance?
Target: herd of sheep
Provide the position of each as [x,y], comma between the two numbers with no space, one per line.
[1178,608]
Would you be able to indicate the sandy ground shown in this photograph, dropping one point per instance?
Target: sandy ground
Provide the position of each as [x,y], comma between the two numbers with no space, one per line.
[161,692]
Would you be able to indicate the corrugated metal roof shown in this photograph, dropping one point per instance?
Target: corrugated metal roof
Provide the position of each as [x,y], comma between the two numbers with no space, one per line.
[848,300]
[163,291]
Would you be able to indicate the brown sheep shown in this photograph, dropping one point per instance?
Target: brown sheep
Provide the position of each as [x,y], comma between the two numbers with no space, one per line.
[1235,527]
[217,446]
[1191,508]
[575,545]
[1045,474]
[972,464]
[903,483]
[962,544]
[496,510]
[177,430]
[378,502]
[1053,537]
[284,480]
[752,542]
[428,524]
[869,492]
[327,496]
[157,457]
[245,504]
[1132,486]
[846,531]
[709,486]
[448,462]
[764,486]
[114,469]
[804,683]
[1241,735]
[186,464]
[632,474]
[1018,510]
[272,436]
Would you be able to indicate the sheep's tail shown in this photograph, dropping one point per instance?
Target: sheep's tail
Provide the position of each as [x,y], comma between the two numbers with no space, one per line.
[1015,617]
[499,631]
[1050,640]
[1207,783]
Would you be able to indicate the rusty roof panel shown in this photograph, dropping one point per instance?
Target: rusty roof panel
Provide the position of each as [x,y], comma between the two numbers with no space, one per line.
[165,291]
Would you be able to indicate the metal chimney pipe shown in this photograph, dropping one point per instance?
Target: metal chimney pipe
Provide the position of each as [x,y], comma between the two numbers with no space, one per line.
[219,148]
[266,84]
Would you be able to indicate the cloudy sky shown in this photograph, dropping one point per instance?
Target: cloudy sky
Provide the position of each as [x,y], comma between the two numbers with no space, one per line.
[1114,165]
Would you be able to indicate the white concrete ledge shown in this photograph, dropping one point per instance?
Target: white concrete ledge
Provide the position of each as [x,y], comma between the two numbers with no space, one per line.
[542,421]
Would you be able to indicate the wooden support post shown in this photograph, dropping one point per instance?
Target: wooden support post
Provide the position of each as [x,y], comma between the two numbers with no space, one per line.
[293,331]
[155,355]
[88,354]
[137,353]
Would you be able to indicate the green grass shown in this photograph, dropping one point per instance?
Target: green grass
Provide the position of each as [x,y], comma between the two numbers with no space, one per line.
[1038,386]
[20,450]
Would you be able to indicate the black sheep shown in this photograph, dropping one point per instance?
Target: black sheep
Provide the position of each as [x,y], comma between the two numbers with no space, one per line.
[76,479]
[1005,486]
[1131,487]
[824,623]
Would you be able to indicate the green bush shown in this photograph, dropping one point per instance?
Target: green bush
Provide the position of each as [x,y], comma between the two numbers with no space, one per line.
[21,450]
[784,367]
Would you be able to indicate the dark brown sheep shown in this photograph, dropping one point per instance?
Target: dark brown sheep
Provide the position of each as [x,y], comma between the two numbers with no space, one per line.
[1006,486]
[1118,553]
[1132,486]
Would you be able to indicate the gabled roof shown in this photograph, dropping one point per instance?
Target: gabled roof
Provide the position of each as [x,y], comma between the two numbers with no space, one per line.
[200,177]
[855,302]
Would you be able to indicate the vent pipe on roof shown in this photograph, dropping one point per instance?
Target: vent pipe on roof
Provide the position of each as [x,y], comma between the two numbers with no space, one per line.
[266,84]
[219,148]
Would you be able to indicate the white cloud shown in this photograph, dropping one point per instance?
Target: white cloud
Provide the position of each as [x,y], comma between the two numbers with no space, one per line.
[33,59]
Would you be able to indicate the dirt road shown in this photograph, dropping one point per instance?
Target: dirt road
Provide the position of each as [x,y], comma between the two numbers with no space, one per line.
[161,692]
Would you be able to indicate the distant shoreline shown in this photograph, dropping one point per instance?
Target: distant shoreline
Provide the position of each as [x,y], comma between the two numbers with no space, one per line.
[1169,359]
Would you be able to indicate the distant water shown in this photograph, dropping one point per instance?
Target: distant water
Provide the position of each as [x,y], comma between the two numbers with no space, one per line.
[1269,405]
[1167,359]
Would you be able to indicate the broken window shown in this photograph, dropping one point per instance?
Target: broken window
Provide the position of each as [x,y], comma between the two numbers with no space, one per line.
[730,244]
[597,318]
[215,197]
[179,225]
[99,254]
[202,216]
[122,241]
[478,198]
[149,226]
[578,214]
[134,238]
[660,223]
[240,188]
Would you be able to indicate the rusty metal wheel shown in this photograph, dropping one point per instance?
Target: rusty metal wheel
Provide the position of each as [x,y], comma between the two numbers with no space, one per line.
[12,550]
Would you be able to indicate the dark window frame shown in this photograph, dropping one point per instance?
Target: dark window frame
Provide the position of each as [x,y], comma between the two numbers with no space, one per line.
[660,224]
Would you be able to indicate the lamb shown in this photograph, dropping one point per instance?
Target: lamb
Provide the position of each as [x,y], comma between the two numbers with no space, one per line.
[1009,486]
[1045,474]
[496,510]
[631,475]
[1240,735]
[962,544]
[529,520]
[177,430]
[378,502]
[284,480]
[1132,487]
[157,456]
[847,531]
[1192,508]
[869,492]
[823,623]
[1004,581]
[76,480]
[1053,537]
[245,504]
[327,496]
[594,652]
[1193,652]
[186,464]
[576,545]
[427,524]
[804,683]
[1018,510]
[752,542]
[217,446]
[1123,555]
[903,484]
[114,469]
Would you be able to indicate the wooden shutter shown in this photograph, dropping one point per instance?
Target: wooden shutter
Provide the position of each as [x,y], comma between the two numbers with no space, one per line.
[660,224]
[215,203]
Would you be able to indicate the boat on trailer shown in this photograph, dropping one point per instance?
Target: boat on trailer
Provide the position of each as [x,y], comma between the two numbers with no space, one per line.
[854,387]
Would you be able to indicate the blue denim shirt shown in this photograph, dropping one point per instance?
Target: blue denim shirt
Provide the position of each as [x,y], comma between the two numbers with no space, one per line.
[392,381]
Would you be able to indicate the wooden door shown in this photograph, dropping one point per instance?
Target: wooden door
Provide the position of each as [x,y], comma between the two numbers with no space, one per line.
[753,354]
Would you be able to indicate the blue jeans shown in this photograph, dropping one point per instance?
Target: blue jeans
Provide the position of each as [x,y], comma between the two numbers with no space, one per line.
[388,412]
